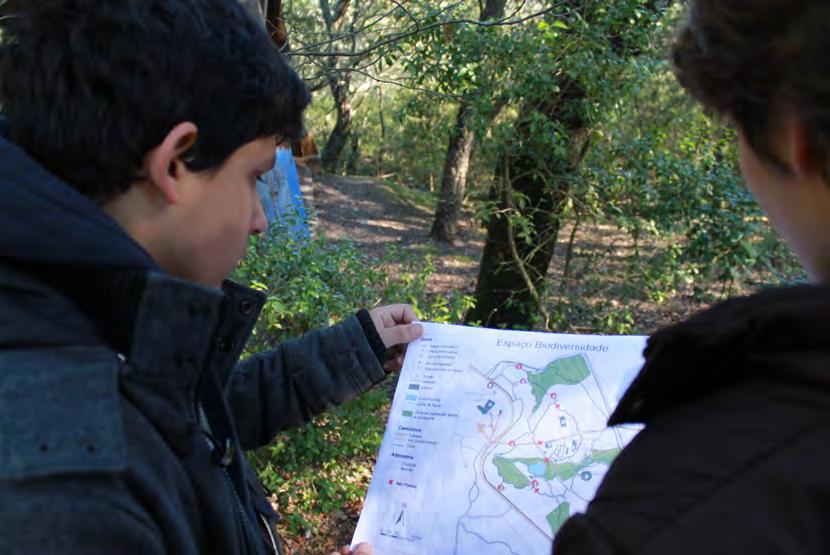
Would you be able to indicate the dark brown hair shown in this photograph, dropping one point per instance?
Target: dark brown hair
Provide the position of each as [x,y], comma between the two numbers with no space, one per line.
[89,87]
[744,59]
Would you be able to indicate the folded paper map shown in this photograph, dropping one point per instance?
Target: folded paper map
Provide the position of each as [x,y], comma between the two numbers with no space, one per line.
[494,439]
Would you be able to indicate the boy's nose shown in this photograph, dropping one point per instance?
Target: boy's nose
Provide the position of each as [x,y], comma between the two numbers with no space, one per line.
[259,223]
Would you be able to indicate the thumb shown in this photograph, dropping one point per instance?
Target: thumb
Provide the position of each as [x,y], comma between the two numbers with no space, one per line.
[362,549]
[398,335]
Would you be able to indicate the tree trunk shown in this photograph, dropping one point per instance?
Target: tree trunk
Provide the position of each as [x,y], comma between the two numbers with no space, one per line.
[354,154]
[339,137]
[510,288]
[334,18]
[493,9]
[457,162]
[454,178]
[276,23]
[382,148]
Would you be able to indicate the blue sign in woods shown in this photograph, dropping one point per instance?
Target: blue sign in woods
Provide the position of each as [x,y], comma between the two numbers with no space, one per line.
[279,190]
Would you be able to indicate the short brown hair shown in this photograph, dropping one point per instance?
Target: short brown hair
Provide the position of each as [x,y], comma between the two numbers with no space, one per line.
[745,58]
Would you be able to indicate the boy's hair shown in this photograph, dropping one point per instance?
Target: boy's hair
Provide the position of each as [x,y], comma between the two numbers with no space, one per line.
[745,59]
[89,87]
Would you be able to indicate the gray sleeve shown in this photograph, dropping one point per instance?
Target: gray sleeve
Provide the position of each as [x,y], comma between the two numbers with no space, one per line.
[287,386]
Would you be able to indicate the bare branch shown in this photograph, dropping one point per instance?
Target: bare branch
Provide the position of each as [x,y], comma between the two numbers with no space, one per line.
[408,34]
[409,15]
[452,98]
[336,38]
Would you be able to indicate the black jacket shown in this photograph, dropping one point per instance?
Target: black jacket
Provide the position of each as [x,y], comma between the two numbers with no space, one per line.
[735,454]
[123,410]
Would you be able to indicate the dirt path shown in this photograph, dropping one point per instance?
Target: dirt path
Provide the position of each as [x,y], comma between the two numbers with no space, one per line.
[375,215]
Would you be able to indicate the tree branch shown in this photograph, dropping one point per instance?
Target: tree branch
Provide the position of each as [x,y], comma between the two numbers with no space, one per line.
[405,35]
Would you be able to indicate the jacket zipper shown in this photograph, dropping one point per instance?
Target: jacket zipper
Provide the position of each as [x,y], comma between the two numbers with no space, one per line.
[252,538]
[249,532]
[271,537]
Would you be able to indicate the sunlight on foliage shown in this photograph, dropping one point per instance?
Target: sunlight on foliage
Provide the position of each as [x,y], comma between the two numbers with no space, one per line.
[325,465]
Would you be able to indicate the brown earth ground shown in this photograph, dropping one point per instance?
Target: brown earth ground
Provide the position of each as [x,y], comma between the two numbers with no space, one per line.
[375,215]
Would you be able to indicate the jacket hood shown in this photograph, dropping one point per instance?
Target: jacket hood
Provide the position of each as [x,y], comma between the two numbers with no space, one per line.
[45,221]
[779,335]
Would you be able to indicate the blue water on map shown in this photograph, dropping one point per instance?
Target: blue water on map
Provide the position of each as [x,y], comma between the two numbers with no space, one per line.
[537,469]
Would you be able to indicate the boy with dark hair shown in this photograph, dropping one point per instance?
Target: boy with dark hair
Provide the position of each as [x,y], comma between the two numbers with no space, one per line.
[133,136]
[735,452]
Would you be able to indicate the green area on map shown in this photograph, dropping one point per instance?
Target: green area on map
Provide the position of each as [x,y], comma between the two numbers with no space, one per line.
[564,371]
[557,517]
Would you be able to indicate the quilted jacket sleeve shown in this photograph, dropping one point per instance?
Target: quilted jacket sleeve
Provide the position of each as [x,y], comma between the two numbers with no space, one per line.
[301,378]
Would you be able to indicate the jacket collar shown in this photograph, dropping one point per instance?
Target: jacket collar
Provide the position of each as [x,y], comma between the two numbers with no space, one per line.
[182,329]
[45,221]
[782,335]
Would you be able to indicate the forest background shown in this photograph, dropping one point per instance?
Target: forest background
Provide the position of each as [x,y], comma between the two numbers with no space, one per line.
[539,149]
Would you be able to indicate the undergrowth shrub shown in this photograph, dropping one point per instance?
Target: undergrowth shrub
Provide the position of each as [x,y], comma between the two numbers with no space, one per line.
[325,466]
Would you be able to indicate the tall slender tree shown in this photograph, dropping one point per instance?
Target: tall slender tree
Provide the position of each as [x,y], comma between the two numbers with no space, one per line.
[338,82]
[459,151]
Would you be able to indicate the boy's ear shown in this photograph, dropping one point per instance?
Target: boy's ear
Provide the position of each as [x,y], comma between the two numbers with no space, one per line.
[164,165]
